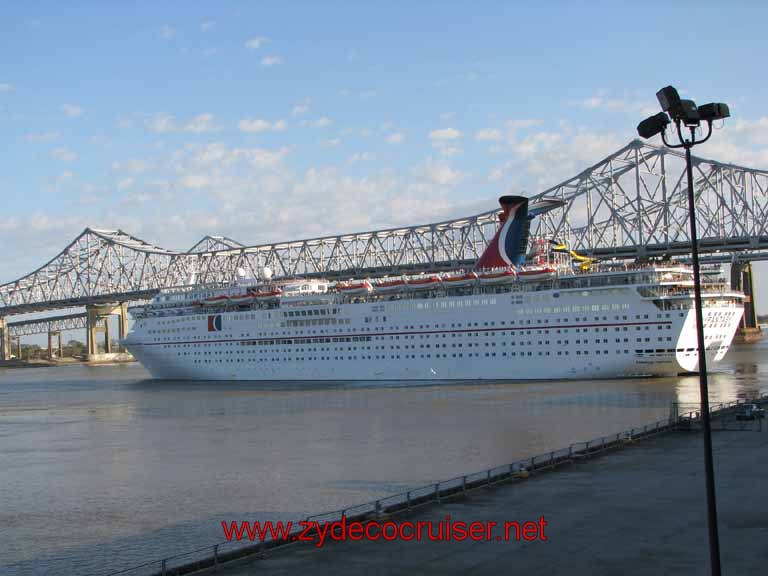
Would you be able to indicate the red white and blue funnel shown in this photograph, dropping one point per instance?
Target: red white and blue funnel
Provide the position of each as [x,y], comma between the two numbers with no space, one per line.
[510,243]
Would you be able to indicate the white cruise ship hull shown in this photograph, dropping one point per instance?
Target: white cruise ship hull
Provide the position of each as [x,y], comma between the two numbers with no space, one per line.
[535,335]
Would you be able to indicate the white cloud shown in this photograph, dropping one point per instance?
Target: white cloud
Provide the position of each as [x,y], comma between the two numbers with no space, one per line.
[5,87]
[162,123]
[441,173]
[72,110]
[443,134]
[515,125]
[496,175]
[254,125]
[201,123]
[396,138]
[257,42]
[166,32]
[359,157]
[195,181]
[300,109]
[125,183]
[269,61]
[738,141]
[131,166]
[63,154]
[443,139]
[207,25]
[210,51]
[42,136]
[488,134]
[555,156]
[166,123]
[630,104]
[261,125]
[445,116]
[321,122]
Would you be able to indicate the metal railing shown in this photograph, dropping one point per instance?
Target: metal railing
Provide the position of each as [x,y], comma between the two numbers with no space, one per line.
[210,557]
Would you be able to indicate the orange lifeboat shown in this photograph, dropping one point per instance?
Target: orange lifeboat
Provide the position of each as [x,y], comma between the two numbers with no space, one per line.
[538,273]
[504,276]
[220,300]
[265,295]
[459,279]
[390,285]
[354,288]
[423,282]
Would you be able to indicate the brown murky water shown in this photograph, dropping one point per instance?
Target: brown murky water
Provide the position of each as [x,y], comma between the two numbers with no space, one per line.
[102,468]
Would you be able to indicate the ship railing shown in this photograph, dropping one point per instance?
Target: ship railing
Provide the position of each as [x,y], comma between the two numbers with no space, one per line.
[212,556]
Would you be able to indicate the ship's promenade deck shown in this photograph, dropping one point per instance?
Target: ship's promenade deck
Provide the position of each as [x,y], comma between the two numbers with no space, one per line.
[635,511]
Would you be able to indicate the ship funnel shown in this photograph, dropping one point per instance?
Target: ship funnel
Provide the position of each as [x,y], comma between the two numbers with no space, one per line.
[510,243]
[511,240]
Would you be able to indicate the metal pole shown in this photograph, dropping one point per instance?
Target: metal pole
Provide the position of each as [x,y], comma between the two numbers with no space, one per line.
[714,540]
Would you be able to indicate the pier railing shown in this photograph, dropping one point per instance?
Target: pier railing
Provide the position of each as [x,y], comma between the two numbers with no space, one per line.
[211,557]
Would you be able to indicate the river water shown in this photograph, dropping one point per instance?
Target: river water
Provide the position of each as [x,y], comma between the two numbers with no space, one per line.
[102,468]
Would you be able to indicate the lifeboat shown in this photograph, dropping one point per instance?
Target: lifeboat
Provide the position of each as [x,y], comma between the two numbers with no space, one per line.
[221,300]
[265,295]
[246,298]
[353,288]
[497,277]
[423,282]
[390,285]
[540,273]
[459,279]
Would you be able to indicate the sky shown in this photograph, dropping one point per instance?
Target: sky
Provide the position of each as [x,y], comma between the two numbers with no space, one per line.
[268,121]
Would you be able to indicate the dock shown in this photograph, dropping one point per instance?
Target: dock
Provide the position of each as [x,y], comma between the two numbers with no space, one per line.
[636,511]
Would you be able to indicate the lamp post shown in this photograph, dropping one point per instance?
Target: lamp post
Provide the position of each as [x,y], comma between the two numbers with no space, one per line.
[687,116]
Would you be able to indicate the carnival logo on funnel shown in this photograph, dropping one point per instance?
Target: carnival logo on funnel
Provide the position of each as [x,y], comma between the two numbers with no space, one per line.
[511,241]
[214,323]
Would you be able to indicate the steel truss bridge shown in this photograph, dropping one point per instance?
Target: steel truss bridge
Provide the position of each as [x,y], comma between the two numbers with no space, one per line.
[632,204]
[45,325]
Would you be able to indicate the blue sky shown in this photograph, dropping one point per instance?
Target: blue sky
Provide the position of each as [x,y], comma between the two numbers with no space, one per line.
[275,121]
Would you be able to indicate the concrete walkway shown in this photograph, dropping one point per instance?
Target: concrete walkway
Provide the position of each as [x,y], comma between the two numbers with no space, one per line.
[635,511]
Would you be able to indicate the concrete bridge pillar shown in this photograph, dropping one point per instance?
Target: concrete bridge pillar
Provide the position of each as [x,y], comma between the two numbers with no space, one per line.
[98,323]
[741,279]
[5,340]
[59,352]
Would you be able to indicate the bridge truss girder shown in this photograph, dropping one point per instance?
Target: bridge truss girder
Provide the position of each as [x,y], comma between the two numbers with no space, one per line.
[631,204]
[48,325]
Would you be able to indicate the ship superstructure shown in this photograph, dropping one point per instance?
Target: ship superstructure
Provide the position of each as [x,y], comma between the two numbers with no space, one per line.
[548,316]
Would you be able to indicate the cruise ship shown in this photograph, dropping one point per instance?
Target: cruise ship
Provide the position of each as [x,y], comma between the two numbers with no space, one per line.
[529,310]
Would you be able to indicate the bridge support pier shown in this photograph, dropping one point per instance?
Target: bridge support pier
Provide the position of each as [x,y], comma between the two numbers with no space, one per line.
[98,323]
[5,340]
[741,279]
[59,351]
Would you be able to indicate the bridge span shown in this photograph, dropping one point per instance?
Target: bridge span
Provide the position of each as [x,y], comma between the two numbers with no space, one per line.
[630,205]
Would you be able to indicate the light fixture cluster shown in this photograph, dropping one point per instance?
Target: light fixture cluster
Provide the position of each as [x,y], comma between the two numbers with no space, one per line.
[683,113]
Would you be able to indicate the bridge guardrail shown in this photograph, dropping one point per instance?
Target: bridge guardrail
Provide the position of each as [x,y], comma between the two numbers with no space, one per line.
[227,551]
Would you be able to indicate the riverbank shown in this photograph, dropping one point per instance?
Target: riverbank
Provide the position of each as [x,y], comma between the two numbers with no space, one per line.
[114,358]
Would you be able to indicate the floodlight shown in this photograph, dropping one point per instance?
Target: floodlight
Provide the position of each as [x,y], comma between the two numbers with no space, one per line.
[714,111]
[687,112]
[653,125]
[668,98]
